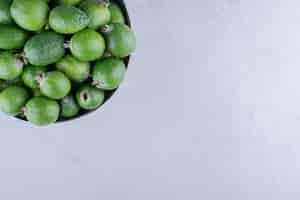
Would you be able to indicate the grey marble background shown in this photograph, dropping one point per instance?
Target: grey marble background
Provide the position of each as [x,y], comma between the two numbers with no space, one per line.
[210,110]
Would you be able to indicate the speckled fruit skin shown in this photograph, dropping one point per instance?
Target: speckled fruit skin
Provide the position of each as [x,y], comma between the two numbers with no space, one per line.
[12,37]
[10,66]
[109,73]
[75,69]
[42,111]
[87,45]
[12,100]
[97,11]
[55,85]
[116,14]
[120,40]
[44,48]
[68,2]
[69,107]
[31,15]
[89,98]
[68,19]
[5,17]
[30,75]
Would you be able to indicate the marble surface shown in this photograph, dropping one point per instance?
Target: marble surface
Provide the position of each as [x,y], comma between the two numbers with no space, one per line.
[210,109]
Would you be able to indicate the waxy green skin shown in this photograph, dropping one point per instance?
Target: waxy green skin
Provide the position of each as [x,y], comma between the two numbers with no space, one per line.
[69,107]
[5,17]
[31,74]
[68,2]
[109,73]
[97,11]
[12,37]
[68,19]
[87,45]
[44,48]
[75,69]
[89,98]
[10,66]
[31,15]
[116,14]
[12,100]
[55,85]
[42,111]
[120,40]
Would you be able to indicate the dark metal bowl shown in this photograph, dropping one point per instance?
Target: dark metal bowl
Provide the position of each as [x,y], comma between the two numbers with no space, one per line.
[108,94]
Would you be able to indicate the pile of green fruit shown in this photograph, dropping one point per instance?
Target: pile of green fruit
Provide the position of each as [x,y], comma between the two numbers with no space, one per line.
[60,58]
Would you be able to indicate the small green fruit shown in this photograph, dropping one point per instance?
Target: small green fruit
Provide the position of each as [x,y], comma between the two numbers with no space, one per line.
[68,19]
[109,73]
[42,111]
[10,66]
[12,37]
[75,69]
[44,48]
[12,100]
[5,17]
[55,85]
[97,11]
[87,45]
[120,39]
[30,14]
[69,107]
[31,74]
[116,14]
[89,98]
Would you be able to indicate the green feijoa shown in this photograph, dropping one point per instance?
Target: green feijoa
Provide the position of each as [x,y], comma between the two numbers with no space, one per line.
[87,45]
[31,74]
[120,39]
[68,2]
[68,19]
[10,66]
[109,73]
[69,107]
[42,111]
[44,48]
[12,100]
[97,11]
[12,37]
[5,17]
[31,15]
[55,85]
[89,98]
[75,69]
[116,14]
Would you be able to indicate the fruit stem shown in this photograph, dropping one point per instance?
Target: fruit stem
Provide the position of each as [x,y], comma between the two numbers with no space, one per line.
[47,27]
[106,3]
[97,84]
[23,112]
[106,29]
[67,44]
[84,96]
[40,77]
[22,60]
